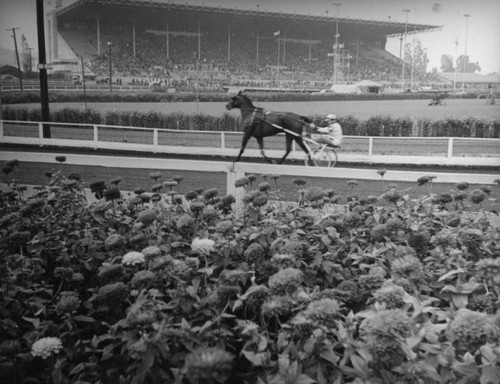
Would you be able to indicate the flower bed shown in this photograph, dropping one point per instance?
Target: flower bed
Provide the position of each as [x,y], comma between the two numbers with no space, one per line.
[160,287]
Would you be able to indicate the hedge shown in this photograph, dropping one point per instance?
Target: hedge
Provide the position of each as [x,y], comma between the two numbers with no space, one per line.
[379,125]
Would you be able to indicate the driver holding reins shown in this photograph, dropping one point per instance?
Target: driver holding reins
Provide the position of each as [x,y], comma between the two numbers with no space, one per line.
[331,134]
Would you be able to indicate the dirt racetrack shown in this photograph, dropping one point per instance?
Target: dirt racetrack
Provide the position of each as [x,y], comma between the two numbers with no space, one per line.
[454,108]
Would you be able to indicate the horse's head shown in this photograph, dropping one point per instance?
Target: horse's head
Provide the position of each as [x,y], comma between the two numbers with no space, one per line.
[240,101]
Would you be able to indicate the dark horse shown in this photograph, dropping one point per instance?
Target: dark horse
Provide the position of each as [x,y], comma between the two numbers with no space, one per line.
[259,124]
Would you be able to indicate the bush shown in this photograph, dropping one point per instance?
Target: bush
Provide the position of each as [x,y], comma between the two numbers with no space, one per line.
[379,125]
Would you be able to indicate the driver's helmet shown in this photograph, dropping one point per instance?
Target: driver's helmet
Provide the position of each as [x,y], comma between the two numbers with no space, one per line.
[331,117]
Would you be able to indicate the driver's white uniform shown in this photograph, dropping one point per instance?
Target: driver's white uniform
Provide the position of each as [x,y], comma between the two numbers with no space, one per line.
[330,135]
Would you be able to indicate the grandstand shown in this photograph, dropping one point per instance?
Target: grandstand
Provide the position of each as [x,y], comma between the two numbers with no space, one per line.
[180,44]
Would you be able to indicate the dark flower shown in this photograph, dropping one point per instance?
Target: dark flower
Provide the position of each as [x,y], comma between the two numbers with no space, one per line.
[112,194]
[186,225]
[264,186]
[299,182]
[425,179]
[197,206]
[477,196]
[12,163]
[191,195]
[114,240]
[210,194]
[155,175]
[147,217]
[110,273]
[74,176]
[112,294]
[259,200]
[6,169]
[116,181]
[243,182]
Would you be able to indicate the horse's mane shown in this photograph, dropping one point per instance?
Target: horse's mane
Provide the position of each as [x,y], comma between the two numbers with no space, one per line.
[246,98]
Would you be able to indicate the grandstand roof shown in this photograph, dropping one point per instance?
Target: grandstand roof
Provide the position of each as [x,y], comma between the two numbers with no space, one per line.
[150,8]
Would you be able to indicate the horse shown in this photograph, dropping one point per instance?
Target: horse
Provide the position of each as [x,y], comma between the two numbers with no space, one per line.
[259,124]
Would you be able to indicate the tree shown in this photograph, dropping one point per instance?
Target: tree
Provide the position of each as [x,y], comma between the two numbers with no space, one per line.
[464,65]
[447,63]
[416,56]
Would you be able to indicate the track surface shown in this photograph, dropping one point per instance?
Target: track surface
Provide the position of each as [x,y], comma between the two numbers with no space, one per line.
[362,109]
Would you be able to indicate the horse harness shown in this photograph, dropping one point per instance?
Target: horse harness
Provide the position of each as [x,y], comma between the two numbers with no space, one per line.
[260,119]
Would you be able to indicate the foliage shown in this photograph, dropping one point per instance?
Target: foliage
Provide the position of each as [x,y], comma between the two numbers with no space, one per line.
[379,125]
[163,288]
[155,97]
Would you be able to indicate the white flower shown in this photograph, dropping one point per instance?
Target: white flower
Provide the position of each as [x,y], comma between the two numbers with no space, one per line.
[203,246]
[46,346]
[133,258]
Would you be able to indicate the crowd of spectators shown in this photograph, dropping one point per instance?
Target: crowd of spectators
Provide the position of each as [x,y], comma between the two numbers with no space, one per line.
[187,59]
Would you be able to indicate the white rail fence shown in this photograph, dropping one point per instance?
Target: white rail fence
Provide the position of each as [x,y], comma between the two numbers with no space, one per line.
[236,171]
[355,149]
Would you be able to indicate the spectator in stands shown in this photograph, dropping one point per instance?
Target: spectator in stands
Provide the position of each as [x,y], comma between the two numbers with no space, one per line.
[331,134]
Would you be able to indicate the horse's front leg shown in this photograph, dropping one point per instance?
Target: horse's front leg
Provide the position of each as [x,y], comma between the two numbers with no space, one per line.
[244,143]
[261,146]
[289,140]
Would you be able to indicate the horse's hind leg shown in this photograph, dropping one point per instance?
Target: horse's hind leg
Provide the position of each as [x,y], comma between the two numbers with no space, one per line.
[289,140]
[301,144]
[261,147]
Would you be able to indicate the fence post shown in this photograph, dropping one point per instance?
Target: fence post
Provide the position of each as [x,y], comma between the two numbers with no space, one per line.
[370,147]
[234,173]
[450,147]
[222,140]
[1,127]
[96,135]
[40,133]
[155,140]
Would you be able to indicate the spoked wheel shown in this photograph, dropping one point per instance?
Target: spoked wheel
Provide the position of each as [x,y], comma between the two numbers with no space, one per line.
[321,158]
[333,157]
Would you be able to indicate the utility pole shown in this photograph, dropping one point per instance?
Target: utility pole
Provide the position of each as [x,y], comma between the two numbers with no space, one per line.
[406,31]
[17,57]
[44,87]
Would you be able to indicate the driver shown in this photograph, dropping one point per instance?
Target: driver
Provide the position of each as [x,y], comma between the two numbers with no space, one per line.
[331,134]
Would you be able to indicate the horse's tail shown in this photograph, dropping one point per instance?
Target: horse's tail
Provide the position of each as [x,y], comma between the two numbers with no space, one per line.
[305,119]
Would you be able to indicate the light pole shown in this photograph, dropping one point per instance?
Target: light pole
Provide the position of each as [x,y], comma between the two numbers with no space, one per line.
[110,68]
[464,65]
[404,45]
[336,47]
[31,59]
[456,68]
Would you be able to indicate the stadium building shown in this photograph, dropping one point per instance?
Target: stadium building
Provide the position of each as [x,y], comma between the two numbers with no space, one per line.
[170,43]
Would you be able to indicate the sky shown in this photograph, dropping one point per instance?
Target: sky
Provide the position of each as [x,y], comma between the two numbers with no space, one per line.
[482,27]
